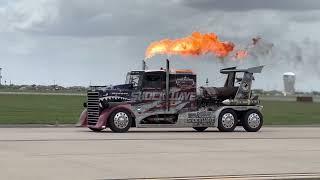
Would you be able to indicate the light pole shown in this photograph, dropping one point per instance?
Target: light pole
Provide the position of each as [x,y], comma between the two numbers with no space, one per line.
[0,76]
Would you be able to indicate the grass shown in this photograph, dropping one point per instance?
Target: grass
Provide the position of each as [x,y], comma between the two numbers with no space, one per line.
[291,113]
[62,109]
[40,109]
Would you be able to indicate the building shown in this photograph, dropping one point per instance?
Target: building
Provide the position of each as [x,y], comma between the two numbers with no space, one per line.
[289,79]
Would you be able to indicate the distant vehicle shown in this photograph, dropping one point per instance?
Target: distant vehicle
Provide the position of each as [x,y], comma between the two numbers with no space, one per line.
[164,98]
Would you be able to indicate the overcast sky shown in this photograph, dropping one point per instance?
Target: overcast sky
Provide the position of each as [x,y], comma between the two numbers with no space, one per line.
[75,42]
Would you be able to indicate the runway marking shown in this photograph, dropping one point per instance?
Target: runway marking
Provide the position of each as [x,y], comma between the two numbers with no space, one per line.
[155,139]
[161,152]
[275,176]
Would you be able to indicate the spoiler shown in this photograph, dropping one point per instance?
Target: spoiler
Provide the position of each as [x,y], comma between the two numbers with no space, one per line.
[256,69]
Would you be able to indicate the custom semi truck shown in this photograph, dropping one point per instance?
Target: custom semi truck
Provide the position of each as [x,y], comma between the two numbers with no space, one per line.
[170,98]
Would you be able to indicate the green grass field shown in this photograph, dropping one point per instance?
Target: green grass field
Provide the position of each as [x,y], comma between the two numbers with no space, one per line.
[291,113]
[52,109]
[40,109]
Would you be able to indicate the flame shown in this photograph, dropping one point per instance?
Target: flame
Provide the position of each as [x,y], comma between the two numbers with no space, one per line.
[241,54]
[196,44]
[244,53]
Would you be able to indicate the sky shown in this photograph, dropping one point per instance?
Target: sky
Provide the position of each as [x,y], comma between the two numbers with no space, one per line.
[82,42]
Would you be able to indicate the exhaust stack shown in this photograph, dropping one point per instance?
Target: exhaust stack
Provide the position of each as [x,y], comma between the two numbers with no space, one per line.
[167,84]
[144,66]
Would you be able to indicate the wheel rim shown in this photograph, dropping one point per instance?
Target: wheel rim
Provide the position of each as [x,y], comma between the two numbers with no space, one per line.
[121,120]
[228,120]
[254,120]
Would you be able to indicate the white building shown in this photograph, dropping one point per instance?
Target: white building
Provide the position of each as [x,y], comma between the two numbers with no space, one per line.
[0,76]
[289,79]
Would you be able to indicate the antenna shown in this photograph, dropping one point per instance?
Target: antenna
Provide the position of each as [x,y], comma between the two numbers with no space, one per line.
[0,76]
[167,84]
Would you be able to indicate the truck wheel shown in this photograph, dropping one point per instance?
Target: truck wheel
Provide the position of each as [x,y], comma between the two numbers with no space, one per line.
[120,121]
[252,120]
[200,129]
[227,120]
[95,129]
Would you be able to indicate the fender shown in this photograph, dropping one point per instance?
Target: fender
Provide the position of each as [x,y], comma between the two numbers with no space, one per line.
[83,119]
[104,116]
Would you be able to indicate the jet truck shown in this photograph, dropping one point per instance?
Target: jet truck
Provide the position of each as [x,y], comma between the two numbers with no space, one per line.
[170,98]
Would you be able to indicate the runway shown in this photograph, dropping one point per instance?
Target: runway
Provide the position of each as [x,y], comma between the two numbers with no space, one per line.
[78,153]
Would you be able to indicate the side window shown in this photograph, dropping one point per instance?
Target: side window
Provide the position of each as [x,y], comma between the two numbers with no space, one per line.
[152,81]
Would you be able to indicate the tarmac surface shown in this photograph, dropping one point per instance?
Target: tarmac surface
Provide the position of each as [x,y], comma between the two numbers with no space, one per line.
[78,153]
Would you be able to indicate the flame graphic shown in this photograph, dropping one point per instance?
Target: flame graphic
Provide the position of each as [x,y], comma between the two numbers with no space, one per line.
[194,45]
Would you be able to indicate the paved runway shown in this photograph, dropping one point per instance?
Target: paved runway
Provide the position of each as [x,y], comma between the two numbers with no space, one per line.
[77,153]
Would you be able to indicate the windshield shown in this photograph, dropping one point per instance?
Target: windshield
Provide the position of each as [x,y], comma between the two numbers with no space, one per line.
[133,78]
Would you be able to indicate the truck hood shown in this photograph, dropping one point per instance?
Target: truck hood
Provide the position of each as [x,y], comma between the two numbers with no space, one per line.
[123,90]
[123,87]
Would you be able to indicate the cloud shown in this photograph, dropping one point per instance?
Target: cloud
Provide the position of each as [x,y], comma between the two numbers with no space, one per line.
[306,17]
[31,15]
[85,18]
[93,18]
[246,5]
[77,41]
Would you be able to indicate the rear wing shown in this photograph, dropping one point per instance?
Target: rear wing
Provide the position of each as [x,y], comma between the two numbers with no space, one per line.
[244,90]
[256,69]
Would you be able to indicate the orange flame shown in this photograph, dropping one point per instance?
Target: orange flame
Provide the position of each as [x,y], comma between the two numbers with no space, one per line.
[242,54]
[196,44]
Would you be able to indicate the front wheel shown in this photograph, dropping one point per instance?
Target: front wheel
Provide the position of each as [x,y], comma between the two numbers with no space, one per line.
[227,120]
[120,121]
[252,120]
[200,129]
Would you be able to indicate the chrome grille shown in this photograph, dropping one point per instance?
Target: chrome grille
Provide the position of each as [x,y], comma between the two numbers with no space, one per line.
[93,107]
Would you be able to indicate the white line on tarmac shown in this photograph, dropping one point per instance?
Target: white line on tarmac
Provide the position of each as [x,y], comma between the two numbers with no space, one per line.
[240,177]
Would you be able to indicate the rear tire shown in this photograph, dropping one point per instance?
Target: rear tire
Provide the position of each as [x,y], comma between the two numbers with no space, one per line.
[200,129]
[227,120]
[120,121]
[252,121]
